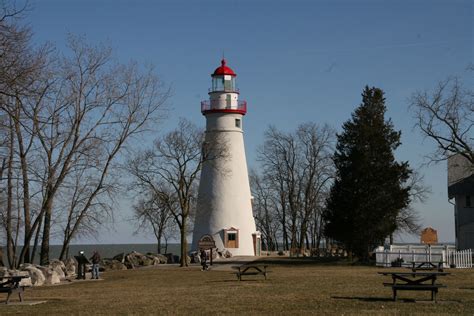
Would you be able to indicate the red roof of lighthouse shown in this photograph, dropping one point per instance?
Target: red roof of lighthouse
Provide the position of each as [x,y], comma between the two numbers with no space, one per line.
[223,70]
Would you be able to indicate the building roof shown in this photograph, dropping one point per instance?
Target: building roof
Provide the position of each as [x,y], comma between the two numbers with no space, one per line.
[462,187]
[223,70]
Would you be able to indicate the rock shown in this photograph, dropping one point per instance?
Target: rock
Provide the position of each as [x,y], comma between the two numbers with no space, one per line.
[162,258]
[70,267]
[195,257]
[3,271]
[108,264]
[120,257]
[36,275]
[58,266]
[226,254]
[50,275]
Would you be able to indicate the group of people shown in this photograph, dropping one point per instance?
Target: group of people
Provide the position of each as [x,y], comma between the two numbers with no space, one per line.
[81,265]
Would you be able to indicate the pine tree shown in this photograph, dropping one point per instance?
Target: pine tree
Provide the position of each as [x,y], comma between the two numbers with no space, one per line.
[370,186]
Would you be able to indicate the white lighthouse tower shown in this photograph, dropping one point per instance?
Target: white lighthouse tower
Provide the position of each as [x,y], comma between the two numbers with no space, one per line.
[224,208]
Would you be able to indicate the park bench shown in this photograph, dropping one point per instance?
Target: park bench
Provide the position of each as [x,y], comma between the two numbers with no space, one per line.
[250,269]
[415,281]
[12,285]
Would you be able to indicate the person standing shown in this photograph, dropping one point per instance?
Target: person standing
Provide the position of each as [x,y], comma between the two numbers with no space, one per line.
[204,260]
[95,264]
[81,265]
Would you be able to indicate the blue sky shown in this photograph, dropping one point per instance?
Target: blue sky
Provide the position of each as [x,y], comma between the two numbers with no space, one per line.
[296,61]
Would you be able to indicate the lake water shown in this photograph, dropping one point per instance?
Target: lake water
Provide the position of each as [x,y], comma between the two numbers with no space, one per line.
[106,251]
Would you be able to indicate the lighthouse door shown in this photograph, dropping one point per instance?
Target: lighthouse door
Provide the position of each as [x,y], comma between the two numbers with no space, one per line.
[231,238]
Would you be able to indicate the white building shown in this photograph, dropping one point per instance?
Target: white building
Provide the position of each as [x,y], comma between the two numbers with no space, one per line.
[461,188]
[224,209]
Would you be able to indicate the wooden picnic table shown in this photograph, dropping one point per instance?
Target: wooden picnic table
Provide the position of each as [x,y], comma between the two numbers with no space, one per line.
[12,285]
[415,281]
[426,265]
[250,269]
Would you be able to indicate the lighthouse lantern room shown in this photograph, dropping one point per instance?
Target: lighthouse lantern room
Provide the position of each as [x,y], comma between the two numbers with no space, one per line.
[224,208]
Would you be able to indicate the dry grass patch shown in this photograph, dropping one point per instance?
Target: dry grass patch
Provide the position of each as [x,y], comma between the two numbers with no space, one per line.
[290,289]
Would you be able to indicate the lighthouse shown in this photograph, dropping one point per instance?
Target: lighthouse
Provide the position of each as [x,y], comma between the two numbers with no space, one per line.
[224,207]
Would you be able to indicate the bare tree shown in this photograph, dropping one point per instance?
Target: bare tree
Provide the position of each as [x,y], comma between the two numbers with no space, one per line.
[264,209]
[21,81]
[92,111]
[154,213]
[446,116]
[298,168]
[170,170]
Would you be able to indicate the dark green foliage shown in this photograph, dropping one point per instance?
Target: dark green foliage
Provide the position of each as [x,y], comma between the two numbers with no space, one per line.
[369,189]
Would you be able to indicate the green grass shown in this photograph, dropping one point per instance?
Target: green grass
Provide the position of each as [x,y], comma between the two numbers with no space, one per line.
[293,287]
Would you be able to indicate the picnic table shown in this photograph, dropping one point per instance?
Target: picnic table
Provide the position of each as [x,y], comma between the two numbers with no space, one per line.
[415,281]
[426,265]
[12,285]
[250,269]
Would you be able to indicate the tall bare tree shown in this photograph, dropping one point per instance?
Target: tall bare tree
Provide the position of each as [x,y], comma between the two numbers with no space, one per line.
[446,116]
[298,168]
[66,116]
[95,107]
[170,170]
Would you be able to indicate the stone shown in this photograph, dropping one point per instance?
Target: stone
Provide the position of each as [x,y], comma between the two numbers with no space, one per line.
[58,266]
[50,275]
[120,257]
[70,267]
[36,275]
[227,254]
[107,264]
[162,258]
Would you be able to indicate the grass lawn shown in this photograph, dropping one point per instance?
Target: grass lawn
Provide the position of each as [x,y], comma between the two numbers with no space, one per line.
[292,288]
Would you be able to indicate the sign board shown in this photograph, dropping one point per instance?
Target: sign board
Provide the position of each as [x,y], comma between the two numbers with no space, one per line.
[429,236]
[206,242]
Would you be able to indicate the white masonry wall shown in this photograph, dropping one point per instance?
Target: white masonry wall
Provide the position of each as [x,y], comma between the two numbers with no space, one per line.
[224,198]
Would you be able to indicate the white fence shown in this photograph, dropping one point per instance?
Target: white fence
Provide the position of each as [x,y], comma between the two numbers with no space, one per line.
[447,256]
[460,259]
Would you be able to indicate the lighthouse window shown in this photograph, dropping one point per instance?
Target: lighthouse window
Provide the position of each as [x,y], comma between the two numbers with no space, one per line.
[231,237]
[237,123]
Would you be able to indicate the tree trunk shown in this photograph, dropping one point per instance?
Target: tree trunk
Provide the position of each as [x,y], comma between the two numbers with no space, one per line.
[44,254]
[10,250]
[35,244]
[184,244]
[26,190]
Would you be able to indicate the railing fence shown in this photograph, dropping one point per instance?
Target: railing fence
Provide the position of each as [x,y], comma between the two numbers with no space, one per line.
[406,256]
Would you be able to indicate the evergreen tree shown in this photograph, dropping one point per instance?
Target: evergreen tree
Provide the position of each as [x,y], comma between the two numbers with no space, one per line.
[370,186]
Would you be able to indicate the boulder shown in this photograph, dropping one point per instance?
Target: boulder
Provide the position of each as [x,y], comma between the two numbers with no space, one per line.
[3,271]
[58,266]
[195,257]
[70,267]
[107,264]
[226,254]
[120,257]
[50,275]
[36,275]
[162,258]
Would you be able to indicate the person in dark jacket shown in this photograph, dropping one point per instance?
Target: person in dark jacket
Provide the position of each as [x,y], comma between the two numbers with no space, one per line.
[81,265]
[204,260]
[95,259]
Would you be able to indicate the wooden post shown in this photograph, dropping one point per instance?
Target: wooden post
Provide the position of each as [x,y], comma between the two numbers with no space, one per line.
[211,257]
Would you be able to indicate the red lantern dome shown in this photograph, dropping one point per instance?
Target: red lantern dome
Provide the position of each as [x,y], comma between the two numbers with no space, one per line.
[223,70]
